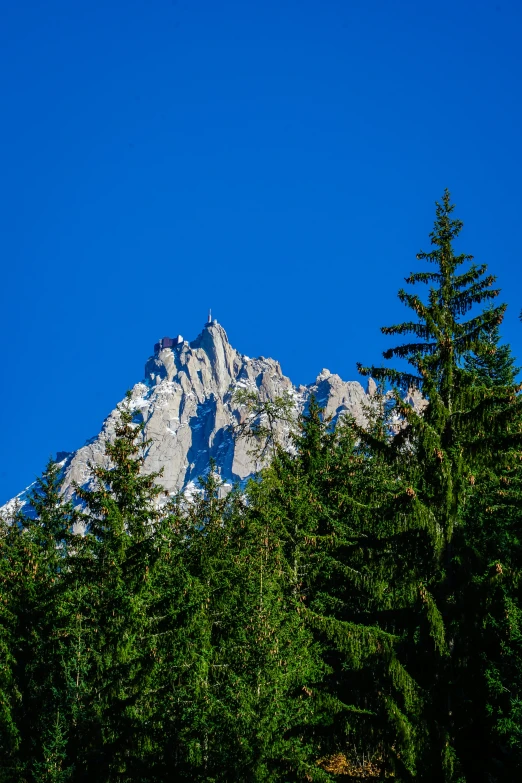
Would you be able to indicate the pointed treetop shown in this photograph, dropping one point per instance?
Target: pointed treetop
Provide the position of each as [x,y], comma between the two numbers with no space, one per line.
[441,337]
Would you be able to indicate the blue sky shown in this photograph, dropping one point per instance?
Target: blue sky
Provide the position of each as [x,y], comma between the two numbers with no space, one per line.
[276,160]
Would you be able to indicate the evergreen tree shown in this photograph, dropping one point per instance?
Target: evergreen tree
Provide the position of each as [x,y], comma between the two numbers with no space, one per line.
[48,706]
[10,763]
[494,365]
[464,427]
[111,661]
[261,419]
[36,553]
[239,690]
[492,534]
[363,700]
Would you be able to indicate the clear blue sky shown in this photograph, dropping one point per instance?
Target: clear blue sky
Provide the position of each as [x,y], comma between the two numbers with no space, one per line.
[277,160]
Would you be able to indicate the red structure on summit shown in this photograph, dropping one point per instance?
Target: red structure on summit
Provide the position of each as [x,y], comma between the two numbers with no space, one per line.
[168,342]
[172,342]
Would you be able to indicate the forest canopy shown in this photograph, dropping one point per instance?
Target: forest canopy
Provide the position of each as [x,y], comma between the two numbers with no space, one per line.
[354,611]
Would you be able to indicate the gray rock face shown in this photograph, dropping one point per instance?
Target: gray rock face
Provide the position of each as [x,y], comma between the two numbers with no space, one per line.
[187,403]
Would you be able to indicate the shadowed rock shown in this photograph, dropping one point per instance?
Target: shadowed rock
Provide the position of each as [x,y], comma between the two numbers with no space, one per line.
[186,401]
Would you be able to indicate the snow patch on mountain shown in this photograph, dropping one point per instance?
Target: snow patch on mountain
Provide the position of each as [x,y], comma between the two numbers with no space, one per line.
[186,401]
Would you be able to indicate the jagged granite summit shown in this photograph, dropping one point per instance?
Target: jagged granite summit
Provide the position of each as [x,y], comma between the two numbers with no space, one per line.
[187,404]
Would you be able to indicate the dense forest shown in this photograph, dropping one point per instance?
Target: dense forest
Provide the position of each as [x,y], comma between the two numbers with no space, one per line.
[354,612]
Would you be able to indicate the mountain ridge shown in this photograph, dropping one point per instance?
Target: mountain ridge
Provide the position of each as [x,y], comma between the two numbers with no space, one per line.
[186,400]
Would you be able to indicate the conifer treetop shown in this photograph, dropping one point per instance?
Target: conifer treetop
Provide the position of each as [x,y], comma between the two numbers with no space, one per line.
[442,337]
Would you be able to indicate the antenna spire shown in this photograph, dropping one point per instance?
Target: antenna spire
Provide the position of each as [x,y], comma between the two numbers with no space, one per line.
[209,317]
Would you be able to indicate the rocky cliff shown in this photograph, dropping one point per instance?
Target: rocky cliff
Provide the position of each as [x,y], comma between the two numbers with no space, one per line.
[186,400]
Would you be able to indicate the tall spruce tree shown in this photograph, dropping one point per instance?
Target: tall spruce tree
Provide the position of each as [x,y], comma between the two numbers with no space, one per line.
[11,575]
[236,698]
[36,552]
[48,704]
[493,537]
[111,661]
[365,702]
[440,452]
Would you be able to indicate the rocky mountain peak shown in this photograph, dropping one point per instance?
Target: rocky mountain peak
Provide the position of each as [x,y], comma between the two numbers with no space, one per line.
[186,400]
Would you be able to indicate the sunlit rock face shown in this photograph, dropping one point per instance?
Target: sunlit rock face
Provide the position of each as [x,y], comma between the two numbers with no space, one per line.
[186,401]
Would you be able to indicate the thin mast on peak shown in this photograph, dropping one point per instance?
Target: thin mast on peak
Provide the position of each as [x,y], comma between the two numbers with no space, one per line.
[209,317]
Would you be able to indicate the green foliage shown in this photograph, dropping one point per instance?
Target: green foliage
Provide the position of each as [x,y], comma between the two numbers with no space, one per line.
[9,693]
[248,661]
[260,420]
[111,619]
[355,611]
[366,702]
[469,425]
[34,557]
[494,365]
